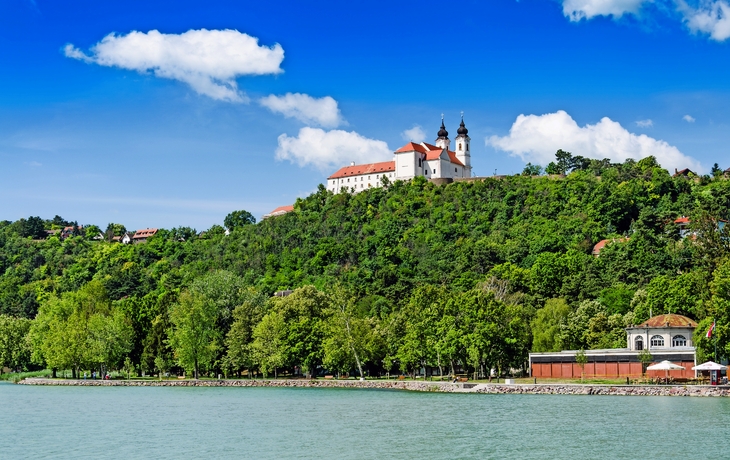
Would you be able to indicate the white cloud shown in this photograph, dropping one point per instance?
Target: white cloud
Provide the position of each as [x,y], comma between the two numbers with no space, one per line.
[331,149]
[305,108]
[712,17]
[688,118]
[645,123]
[415,134]
[587,9]
[536,138]
[34,164]
[207,60]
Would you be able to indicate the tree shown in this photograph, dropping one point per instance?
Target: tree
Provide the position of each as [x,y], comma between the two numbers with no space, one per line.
[194,337]
[34,228]
[532,170]
[14,348]
[240,336]
[716,171]
[72,330]
[645,358]
[128,368]
[238,219]
[581,359]
[546,327]
[350,339]
[304,312]
[269,345]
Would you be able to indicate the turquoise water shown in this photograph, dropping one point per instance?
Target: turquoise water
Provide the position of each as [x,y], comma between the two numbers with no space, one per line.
[267,423]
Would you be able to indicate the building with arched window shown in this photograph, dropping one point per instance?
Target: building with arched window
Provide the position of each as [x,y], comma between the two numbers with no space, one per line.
[666,337]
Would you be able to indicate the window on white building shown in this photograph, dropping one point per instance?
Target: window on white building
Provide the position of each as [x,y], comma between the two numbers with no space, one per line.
[657,341]
[679,341]
[456,170]
[348,179]
[639,343]
[459,145]
[467,147]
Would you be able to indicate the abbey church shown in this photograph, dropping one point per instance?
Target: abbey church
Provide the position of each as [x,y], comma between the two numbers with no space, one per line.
[431,161]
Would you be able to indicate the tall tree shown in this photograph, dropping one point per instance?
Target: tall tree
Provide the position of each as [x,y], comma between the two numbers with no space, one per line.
[194,337]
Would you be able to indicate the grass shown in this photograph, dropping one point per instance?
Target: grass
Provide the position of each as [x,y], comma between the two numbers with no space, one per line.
[16,377]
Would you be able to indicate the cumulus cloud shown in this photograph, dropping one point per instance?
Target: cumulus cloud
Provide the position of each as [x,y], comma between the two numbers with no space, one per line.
[207,60]
[326,150]
[415,134]
[587,9]
[305,108]
[536,138]
[645,123]
[712,17]
[688,118]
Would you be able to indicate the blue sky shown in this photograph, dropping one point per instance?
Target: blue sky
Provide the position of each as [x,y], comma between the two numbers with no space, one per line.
[191,110]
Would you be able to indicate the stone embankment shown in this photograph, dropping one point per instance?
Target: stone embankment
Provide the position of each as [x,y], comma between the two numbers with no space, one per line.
[443,387]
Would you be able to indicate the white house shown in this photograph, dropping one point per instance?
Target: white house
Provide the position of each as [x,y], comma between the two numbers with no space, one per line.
[413,159]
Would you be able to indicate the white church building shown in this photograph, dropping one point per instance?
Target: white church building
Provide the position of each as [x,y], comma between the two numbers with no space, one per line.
[413,159]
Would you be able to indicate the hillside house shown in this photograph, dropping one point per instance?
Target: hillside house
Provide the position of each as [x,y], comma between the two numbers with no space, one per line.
[141,236]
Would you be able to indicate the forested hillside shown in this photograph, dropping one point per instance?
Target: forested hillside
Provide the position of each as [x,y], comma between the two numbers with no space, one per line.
[470,274]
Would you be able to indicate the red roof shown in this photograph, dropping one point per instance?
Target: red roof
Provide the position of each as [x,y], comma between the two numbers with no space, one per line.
[283,209]
[670,320]
[357,170]
[682,220]
[436,154]
[597,248]
[144,233]
[411,146]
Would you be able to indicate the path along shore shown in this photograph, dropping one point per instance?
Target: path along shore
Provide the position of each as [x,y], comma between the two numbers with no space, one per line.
[442,387]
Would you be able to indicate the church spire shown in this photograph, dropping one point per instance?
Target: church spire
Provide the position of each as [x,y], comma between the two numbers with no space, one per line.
[443,134]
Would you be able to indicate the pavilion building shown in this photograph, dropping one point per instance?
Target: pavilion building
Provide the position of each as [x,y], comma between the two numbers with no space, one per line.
[667,337]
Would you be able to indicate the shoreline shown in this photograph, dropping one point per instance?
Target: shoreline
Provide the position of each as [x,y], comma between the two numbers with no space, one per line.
[438,387]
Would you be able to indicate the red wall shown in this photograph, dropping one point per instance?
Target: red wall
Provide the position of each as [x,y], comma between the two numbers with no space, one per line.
[607,369]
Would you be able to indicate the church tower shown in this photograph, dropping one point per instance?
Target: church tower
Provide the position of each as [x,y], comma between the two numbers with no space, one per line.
[463,152]
[443,136]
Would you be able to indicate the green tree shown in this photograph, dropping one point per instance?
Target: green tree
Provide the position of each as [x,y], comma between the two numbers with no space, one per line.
[269,344]
[546,327]
[194,337]
[14,346]
[350,339]
[238,219]
[532,170]
[239,339]
[581,359]
[67,331]
[304,312]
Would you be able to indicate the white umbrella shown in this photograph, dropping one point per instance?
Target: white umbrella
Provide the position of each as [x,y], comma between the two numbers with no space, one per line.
[665,366]
[709,366]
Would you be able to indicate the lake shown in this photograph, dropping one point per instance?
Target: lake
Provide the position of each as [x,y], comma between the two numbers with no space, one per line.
[268,423]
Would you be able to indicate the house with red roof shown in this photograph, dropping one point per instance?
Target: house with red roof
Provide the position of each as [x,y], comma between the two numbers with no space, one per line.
[140,236]
[432,161]
[281,210]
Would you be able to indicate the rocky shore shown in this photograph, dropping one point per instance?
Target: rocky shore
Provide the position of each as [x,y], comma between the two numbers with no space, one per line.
[443,387]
